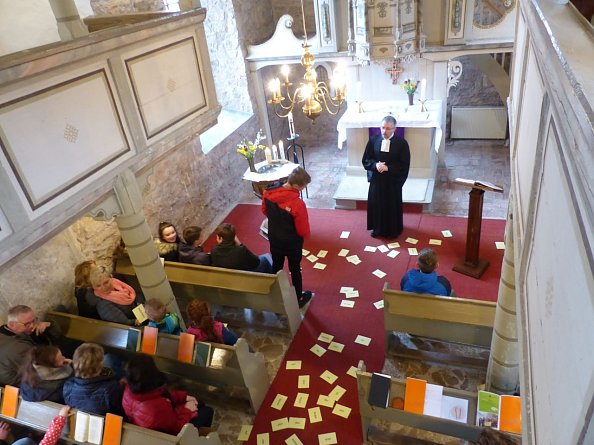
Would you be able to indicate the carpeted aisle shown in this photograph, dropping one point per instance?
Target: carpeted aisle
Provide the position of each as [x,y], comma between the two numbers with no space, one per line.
[325,315]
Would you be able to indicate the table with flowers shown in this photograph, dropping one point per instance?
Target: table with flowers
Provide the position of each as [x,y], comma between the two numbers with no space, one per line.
[266,174]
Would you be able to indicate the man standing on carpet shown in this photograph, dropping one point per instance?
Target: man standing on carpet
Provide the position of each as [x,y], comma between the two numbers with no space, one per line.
[387,161]
[288,225]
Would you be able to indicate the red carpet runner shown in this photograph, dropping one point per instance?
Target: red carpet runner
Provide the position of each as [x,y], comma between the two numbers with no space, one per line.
[325,315]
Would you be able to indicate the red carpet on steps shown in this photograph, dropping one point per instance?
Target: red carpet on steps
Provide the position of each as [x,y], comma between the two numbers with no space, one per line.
[325,315]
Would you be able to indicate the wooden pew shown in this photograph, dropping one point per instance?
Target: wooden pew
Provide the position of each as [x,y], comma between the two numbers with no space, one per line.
[241,368]
[228,287]
[449,319]
[372,434]
[38,415]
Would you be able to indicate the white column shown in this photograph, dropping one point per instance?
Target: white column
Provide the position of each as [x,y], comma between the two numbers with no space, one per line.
[70,25]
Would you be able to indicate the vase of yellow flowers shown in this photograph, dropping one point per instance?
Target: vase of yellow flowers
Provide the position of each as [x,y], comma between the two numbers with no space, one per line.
[410,86]
[248,149]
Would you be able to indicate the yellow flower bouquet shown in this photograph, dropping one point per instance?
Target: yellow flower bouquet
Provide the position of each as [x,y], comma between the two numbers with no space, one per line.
[248,149]
[410,86]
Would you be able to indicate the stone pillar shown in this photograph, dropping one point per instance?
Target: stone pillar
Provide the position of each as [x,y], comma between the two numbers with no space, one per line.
[70,26]
[136,234]
[503,372]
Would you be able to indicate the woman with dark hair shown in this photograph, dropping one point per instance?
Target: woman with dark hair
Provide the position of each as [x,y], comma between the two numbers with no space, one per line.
[43,374]
[204,328]
[148,403]
[168,241]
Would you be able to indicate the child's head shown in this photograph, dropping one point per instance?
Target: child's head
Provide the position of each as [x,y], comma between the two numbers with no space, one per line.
[155,310]
[100,279]
[48,356]
[142,374]
[427,260]
[82,272]
[192,235]
[167,232]
[225,233]
[299,177]
[197,310]
[87,360]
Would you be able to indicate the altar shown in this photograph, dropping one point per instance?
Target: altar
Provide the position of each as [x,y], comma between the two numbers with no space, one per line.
[422,130]
[266,174]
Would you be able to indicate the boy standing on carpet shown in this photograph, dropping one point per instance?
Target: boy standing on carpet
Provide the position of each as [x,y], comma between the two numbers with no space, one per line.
[424,280]
[288,225]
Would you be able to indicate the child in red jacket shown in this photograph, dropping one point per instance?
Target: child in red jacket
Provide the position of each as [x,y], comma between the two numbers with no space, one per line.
[149,404]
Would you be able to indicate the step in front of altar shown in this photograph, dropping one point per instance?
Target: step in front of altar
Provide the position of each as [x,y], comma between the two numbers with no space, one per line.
[354,188]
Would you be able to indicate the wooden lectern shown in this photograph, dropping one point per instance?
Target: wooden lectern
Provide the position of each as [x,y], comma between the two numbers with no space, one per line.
[472,265]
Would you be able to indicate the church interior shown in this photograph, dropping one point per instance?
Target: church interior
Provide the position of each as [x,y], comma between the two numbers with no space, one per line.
[116,115]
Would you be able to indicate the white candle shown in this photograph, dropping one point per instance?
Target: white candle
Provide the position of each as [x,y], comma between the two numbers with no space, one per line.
[359,86]
[281,151]
[274,153]
[291,124]
[268,155]
[423,85]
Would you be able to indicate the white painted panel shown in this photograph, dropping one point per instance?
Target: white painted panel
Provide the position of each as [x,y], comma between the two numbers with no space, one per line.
[478,122]
[560,312]
[5,228]
[527,132]
[518,62]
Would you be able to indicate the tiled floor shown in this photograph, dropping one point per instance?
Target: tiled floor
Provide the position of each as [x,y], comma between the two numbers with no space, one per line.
[472,159]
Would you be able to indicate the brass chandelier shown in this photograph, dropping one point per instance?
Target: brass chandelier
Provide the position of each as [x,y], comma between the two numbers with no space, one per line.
[310,92]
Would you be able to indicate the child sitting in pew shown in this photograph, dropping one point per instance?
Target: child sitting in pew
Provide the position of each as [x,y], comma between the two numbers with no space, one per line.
[204,327]
[168,241]
[190,250]
[51,437]
[93,388]
[43,374]
[150,404]
[165,322]
[230,253]
[425,280]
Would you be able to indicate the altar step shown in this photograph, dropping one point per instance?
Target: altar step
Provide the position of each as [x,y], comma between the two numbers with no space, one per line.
[354,188]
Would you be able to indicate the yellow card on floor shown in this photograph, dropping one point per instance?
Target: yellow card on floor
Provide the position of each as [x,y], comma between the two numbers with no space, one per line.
[263,439]
[379,304]
[382,248]
[293,364]
[343,252]
[379,273]
[370,249]
[500,245]
[352,294]
[345,235]
[280,424]
[297,423]
[303,382]
[446,233]
[352,371]
[411,240]
[301,399]
[320,266]
[244,433]
[336,347]
[345,289]
[337,393]
[318,350]
[362,340]
[322,253]
[304,252]
[347,303]
[329,377]
[327,439]
[312,258]
[293,440]
[394,245]
[325,401]
[341,410]
[393,253]
[279,401]
[412,251]
[435,242]
[315,415]
[326,338]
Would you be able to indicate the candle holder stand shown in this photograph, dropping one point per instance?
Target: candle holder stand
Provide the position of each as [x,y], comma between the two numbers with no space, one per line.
[293,149]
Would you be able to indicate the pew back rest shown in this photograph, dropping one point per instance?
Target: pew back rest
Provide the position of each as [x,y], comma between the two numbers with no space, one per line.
[452,319]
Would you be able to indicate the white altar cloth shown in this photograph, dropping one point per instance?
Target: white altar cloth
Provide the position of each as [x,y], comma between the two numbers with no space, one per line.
[374,111]
[276,171]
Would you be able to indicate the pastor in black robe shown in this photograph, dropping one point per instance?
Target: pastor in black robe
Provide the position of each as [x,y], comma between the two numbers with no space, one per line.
[384,200]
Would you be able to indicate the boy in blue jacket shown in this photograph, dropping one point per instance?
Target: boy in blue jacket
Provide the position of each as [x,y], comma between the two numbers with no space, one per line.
[424,280]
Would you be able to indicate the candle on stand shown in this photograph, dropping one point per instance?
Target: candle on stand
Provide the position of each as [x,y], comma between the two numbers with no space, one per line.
[423,87]
[291,124]
[281,151]
[268,155]
[274,153]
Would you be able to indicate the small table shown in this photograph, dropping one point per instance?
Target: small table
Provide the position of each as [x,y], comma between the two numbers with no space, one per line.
[266,174]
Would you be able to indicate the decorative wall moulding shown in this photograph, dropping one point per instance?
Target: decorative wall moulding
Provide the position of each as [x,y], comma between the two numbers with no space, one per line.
[173,95]
[72,129]
[5,229]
